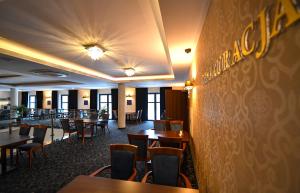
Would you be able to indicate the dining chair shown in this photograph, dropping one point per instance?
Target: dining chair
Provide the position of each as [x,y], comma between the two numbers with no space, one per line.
[94,115]
[65,124]
[37,143]
[166,162]
[104,123]
[161,125]
[24,131]
[175,142]
[135,117]
[80,128]
[176,125]
[142,142]
[115,114]
[140,115]
[123,160]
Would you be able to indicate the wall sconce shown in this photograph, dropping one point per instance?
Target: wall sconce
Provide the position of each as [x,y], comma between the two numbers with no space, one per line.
[85,97]
[188,86]
[128,96]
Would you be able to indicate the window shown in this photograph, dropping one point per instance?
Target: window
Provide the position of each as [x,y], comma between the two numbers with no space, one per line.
[32,101]
[64,103]
[105,102]
[153,106]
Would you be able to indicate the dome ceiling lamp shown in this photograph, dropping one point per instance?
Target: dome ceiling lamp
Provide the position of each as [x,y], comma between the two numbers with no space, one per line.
[94,51]
[129,71]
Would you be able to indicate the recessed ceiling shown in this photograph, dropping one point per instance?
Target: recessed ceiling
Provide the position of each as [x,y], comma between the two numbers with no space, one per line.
[146,35]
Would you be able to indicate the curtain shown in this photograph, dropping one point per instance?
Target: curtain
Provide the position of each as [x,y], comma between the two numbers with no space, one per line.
[142,101]
[163,98]
[73,99]
[24,99]
[54,100]
[93,99]
[39,99]
[114,98]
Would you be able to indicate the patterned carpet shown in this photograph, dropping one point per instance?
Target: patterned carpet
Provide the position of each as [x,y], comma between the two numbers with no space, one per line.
[67,160]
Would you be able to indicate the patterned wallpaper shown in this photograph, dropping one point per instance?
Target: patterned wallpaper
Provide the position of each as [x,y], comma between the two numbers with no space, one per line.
[245,124]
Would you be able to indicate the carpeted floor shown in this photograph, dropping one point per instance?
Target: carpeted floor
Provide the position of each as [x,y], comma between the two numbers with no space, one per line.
[66,160]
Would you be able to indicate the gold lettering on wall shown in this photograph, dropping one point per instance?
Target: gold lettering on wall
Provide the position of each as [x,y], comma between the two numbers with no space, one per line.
[236,52]
[263,19]
[286,12]
[246,49]
[284,9]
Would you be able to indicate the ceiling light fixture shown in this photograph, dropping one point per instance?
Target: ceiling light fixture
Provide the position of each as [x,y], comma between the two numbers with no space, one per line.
[188,86]
[129,71]
[94,51]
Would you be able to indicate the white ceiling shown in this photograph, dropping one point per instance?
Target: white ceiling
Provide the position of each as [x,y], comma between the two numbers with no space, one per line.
[149,35]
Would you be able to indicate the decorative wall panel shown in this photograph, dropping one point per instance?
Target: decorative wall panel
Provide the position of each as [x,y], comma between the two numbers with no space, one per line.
[245,123]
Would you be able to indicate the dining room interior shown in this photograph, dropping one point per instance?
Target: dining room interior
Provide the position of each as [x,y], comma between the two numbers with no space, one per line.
[164,96]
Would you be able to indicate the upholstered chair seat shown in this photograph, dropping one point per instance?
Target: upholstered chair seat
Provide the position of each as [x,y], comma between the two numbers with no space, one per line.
[166,164]
[123,158]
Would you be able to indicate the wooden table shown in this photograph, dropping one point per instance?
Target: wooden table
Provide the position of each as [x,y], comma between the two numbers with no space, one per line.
[86,184]
[154,134]
[7,141]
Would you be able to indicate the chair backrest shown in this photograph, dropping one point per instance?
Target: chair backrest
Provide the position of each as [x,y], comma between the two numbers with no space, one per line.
[141,141]
[166,163]
[65,124]
[105,116]
[39,133]
[24,129]
[175,142]
[176,125]
[123,158]
[160,125]
[141,114]
[79,125]
[115,114]
[138,114]
[94,115]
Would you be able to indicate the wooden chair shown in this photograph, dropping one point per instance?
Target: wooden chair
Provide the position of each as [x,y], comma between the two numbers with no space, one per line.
[80,127]
[166,164]
[115,114]
[142,142]
[123,160]
[37,144]
[175,142]
[65,124]
[24,130]
[104,123]
[135,117]
[161,125]
[176,125]
[140,115]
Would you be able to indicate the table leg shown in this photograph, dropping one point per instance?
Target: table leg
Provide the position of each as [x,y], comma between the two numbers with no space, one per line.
[3,160]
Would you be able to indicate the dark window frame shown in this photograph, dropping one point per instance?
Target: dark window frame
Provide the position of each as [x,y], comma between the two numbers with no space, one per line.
[29,101]
[61,101]
[108,104]
[155,105]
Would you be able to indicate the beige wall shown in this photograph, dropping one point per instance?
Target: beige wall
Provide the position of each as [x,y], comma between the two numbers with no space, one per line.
[4,95]
[81,94]
[47,96]
[245,123]
[131,92]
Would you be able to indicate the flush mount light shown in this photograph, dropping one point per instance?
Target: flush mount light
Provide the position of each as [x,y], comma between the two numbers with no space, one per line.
[129,71]
[94,51]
